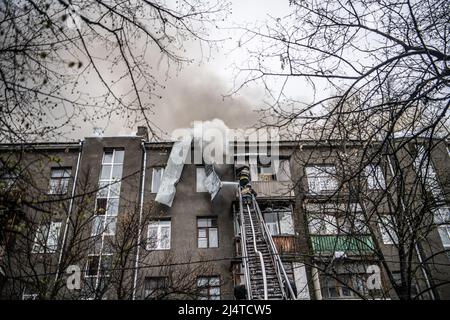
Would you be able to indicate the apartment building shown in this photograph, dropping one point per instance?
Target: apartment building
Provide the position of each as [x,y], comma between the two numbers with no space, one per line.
[90,207]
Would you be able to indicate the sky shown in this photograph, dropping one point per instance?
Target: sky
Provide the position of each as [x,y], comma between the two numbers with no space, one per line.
[196,92]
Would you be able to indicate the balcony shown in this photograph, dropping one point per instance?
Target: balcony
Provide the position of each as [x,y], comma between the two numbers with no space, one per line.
[284,244]
[356,245]
[269,189]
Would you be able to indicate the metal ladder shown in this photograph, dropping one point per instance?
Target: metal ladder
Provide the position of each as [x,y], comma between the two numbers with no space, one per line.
[264,272]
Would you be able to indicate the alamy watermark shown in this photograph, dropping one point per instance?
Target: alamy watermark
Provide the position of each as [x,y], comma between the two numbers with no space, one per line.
[73,281]
[215,144]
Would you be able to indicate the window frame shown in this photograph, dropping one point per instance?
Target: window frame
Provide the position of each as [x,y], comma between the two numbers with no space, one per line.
[278,213]
[376,179]
[339,286]
[270,176]
[100,267]
[207,232]
[42,245]
[315,180]
[387,231]
[209,286]
[161,174]
[108,194]
[160,224]
[56,182]
[165,281]
[331,226]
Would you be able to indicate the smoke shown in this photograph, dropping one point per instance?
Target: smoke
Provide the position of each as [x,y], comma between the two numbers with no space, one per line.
[197,95]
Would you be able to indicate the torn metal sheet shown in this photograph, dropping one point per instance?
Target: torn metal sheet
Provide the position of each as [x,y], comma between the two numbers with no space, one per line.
[212,181]
[173,170]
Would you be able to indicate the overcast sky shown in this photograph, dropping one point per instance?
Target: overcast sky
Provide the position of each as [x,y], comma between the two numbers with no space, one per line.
[196,92]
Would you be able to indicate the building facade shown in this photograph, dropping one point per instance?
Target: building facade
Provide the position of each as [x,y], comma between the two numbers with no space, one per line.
[87,211]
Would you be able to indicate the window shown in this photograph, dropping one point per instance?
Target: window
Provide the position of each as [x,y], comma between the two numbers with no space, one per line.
[107,202]
[112,164]
[397,276]
[46,239]
[209,288]
[387,230]
[322,224]
[201,176]
[99,265]
[105,220]
[207,233]
[343,286]
[336,218]
[321,179]
[155,287]
[442,219]
[284,171]
[427,174]
[266,173]
[157,175]
[101,206]
[359,224]
[279,222]
[354,221]
[59,180]
[92,265]
[8,180]
[375,177]
[278,170]
[100,260]
[159,235]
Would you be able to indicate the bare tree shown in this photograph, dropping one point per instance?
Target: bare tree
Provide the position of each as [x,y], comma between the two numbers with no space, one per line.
[36,256]
[374,76]
[389,57]
[63,62]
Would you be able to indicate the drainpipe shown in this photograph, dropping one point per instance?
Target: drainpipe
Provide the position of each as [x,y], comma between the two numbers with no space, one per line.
[416,247]
[141,208]
[66,227]
[316,283]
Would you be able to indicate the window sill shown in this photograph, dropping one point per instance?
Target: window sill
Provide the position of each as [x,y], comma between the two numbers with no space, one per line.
[43,252]
[156,249]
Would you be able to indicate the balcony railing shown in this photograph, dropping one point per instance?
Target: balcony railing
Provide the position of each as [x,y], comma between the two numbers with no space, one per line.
[273,189]
[284,244]
[355,244]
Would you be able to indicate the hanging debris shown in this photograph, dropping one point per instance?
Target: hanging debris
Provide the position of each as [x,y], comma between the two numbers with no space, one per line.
[212,181]
[173,170]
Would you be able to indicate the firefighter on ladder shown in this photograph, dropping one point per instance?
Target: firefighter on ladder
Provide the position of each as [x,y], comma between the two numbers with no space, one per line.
[247,191]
